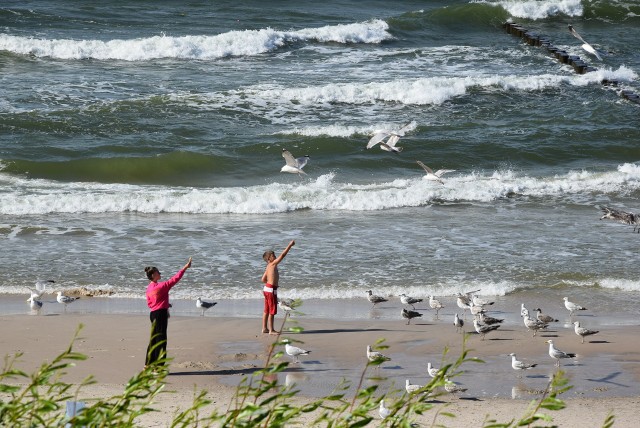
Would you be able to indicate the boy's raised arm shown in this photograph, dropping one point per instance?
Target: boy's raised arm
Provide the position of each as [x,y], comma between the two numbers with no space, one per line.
[284,253]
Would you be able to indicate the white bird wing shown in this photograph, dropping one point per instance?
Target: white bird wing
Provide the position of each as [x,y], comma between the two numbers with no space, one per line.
[289,159]
[587,47]
[404,129]
[301,162]
[426,168]
[576,35]
[377,137]
[441,172]
[393,140]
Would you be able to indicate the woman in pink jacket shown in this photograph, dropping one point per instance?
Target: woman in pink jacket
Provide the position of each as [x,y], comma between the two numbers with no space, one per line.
[158,302]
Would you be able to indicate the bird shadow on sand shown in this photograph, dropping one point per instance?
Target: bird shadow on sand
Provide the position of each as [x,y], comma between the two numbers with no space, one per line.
[599,341]
[223,372]
[608,379]
[345,330]
[549,335]
[470,398]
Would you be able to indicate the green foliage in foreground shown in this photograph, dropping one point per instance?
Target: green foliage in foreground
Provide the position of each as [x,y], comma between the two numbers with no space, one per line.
[38,399]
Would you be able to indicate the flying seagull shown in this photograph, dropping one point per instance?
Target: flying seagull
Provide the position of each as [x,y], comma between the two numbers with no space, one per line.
[586,46]
[294,165]
[392,137]
[434,176]
[622,217]
[204,305]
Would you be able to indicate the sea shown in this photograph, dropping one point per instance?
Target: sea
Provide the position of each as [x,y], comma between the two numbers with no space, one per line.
[143,133]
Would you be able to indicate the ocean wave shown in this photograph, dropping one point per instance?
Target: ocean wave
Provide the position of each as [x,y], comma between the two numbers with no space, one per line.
[538,9]
[421,91]
[233,43]
[35,196]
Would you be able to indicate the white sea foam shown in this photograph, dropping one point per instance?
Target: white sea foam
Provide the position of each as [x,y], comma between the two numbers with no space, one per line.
[336,130]
[538,9]
[421,91]
[24,196]
[233,43]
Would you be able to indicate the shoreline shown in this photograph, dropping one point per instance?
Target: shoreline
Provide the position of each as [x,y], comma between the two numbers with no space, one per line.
[214,352]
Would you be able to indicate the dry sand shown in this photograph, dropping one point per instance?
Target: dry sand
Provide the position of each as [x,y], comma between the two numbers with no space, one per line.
[214,353]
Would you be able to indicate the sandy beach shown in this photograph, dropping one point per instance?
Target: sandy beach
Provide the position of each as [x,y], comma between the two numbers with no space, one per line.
[214,352]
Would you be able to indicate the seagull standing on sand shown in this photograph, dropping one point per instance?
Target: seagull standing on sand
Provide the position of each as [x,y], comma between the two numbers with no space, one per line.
[65,299]
[292,164]
[520,365]
[285,304]
[582,332]
[408,300]
[534,325]
[294,351]
[201,304]
[459,323]
[558,354]
[484,329]
[383,411]
[411,388]
[586,46]
[572,307]
[379,136]
[435,304]
[481,302]
[375,299]
[463,303]
[375,356]
[622,217]
[434,176]
[452,387]
[409,315]
[486,319]
[523,310]
[433,372]
[544,318]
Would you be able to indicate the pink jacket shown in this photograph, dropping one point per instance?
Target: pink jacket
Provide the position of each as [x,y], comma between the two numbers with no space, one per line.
[158,292]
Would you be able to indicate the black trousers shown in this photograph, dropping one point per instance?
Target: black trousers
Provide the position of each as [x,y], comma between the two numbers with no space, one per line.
[157,348]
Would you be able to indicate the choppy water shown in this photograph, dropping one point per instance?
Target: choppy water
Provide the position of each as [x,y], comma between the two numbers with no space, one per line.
[143,133]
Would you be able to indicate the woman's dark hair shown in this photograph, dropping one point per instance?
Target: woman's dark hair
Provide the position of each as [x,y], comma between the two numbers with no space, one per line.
[149,270]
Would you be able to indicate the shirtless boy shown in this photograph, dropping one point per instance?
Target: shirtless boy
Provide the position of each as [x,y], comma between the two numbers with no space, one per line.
[270,279]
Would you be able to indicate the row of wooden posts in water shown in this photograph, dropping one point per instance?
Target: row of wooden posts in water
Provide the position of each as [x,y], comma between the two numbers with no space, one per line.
[579,66]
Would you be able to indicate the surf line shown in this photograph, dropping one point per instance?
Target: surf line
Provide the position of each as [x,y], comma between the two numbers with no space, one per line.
[579,66]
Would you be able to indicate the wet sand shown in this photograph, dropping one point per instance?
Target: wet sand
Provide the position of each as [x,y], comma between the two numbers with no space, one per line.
[216,351]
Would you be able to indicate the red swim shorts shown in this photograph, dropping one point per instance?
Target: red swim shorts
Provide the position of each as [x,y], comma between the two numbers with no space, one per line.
[270,303]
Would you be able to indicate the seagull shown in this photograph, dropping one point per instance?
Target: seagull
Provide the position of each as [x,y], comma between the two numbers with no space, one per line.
[534,325]
[409,315]
[463,303]
[572,307]
[586,46]
[520,365]
[486,319]
[204,305]
[294,351]
[523,310]
[65,299]
[544,318]
[383,411]
[434,176]
[41,286]
[459,323]
[452,387]
[484,329]
[558,354]
[375,356]
[481,302]
[36,305]
[622,217]
[285,304]
[407,300]
[582,332]
[375,299]
[476,310]
[433,372]
[294,165]
[435,304]
[380,135]
[411,388]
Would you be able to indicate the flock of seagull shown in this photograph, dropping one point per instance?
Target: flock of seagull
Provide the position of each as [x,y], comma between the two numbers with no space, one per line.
[385,138]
